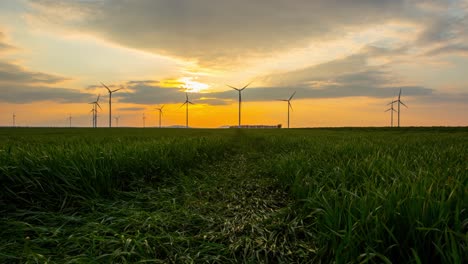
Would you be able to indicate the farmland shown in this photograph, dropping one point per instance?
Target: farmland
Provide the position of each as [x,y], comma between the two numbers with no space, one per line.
[173,195]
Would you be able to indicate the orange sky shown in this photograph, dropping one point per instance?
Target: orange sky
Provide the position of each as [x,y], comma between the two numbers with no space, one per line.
[344,67]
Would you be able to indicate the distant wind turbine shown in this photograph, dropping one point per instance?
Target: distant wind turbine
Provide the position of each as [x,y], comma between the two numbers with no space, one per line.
[160,109]
[110,102]
[186,103]
[14,120]
[95,106]
[391,109]
[117,121]
[399,102]
[144,120]
[289,104]
[240,98]
[70,120]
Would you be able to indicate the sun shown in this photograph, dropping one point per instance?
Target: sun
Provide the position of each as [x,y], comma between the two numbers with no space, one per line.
[193,86]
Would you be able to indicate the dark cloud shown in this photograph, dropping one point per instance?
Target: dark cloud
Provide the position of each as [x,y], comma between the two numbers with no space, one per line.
[149,94]
[18,85]
[11,73]
[20,94]
[220,32]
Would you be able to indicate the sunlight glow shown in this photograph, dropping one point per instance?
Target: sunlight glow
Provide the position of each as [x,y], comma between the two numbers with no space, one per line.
[193,86]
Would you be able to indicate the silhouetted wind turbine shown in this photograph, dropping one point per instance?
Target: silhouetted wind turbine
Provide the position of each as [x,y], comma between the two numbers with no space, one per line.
[117,121]
[110,102]
[240,98]
[399,102]
[70,120]
[14,120]
[96,105]
[391,109]
[144,120]
[92,112]
[186,103]
[160,114]
[289,104]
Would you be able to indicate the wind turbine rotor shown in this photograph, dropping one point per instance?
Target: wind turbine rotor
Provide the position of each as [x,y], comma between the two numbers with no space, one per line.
[292,96]
[106,87]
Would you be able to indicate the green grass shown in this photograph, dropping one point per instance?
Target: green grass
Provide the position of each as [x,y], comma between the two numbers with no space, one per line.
[347,195]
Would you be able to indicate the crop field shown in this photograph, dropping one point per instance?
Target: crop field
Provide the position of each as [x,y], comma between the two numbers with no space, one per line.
[347,195]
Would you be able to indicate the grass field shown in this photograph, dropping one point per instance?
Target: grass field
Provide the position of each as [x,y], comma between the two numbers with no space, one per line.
[173,195]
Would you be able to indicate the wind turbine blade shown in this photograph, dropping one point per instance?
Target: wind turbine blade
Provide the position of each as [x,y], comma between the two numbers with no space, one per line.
[388,110]
[162,107]
[181,105]
[281,100]
[290,106]
[98,105]
[395,110]
[403,104]
[117,90]
[186,97]
[191,102]
[399,95]
[106,87]
[99,96]
[237,89]
[246,86]
[292,96]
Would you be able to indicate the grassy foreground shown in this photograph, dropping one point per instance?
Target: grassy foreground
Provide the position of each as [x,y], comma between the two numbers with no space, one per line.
[182,196]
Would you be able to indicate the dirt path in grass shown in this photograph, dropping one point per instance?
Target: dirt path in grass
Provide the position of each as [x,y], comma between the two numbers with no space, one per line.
[227,212]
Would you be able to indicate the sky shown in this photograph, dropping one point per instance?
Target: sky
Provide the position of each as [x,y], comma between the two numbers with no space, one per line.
[346,60]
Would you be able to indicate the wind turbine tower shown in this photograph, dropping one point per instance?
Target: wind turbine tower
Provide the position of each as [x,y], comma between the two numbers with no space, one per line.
[160,109]
[240,98]
[110,102]
[14,120]
[70,120]
[144,120]
[391,109]
[186,103]
[399,103]
[95,106]
[117,121]
[289,104]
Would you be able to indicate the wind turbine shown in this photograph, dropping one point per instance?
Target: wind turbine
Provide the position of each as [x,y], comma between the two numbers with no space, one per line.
[93,110]
[110,102]
[391,109]
[186,103]
[144,120]
[70,120]
[240,98]
[289,104]
[399,102]
[95,105]
[117,121]
[14,120]
[160,114]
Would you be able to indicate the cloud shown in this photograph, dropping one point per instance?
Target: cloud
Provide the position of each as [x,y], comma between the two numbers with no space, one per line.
[11,73]
[18,85]
[29,94]
[3,45]
[449,49]
[218,32]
